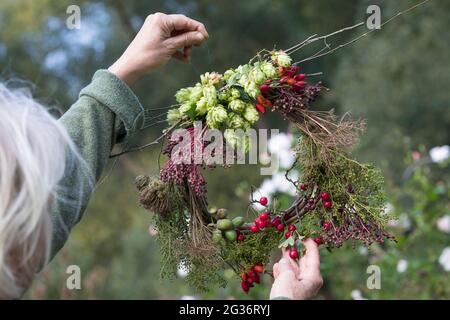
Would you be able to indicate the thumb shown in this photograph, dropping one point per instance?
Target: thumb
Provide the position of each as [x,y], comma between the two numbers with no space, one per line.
[284,266]
[186,39]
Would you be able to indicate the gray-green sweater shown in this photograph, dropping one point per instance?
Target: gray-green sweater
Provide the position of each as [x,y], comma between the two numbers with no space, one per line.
[106,112]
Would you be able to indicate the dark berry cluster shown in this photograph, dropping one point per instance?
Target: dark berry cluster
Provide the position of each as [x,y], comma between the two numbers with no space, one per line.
[184,168]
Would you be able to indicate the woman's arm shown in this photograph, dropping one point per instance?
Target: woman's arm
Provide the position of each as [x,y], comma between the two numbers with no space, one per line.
[107,111]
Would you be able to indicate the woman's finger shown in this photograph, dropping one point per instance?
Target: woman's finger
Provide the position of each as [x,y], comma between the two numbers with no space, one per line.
[186,39]
[180,56]
[181,22]
[312,256]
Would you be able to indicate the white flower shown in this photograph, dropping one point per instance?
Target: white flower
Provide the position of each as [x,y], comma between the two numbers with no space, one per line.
[439,154]
[402,265]
[357,295]
[182,272]
[444,259]
[443,224]
[363,251]
[388,208]
[283,185]
[279,143]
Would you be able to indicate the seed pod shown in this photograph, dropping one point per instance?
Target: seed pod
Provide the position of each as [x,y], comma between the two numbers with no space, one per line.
[224,224]
[141,182]
[217,236]
[238,221]
[231,235]
[221,213]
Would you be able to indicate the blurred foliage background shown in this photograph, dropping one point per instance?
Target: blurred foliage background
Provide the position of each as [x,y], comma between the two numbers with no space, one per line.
[396,78]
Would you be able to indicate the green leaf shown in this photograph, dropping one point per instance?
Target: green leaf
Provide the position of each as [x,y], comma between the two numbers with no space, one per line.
[289,242]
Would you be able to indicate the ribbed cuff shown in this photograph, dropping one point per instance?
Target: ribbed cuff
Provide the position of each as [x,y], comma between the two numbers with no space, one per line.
[114,94]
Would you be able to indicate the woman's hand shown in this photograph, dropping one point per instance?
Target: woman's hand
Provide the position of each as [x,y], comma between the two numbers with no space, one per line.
[298,280]
[161,37]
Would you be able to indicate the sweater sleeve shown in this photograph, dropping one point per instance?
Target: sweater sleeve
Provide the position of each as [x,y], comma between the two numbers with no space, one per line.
[106,112]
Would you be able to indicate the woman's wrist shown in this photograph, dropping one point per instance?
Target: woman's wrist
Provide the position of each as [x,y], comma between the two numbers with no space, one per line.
[125,73]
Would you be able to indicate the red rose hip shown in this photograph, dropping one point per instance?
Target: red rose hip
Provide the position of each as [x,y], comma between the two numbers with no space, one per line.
[325,196]
[293,254]
[327,204]
[263,201]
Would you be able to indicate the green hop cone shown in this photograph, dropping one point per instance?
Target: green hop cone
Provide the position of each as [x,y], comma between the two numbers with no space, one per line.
[173,116]
[201,106]
[257,75]
[237,105]
[269,70]
[210,93]
[196,93]
[251,114]
[235,94]
[252,89]
[185,108]
[224,95]
[216,116]
[231,137]
[281,58]
[228,74]
[183,95]
[204,78]
[235,121]
[244,80]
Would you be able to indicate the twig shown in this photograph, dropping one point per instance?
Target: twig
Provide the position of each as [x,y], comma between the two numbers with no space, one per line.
[315,56]
[156,141]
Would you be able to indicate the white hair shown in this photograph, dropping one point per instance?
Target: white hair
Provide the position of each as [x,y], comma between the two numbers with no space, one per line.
[33,150]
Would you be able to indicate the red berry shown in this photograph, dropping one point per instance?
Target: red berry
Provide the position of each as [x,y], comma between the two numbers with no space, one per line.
[245,287]
[264,88]
[280,227]
[260,99]
[291,81]
[292,228]
[326,225]
[255,278]
[249,280]
[293,254]
[275,222]
[241,238]
[303,186]
[327,204]
[325,196]
[263,201]
[299,77]
[264,216]
[259,268]
[260,224]
[283,80]
[254,229]
[260,108]
[286,216]
[299,84]
[251,273]
[244,277]
[318,240]
[287,235]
